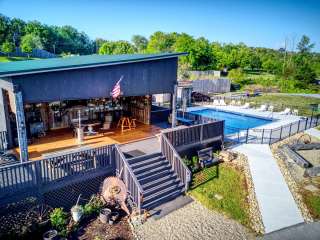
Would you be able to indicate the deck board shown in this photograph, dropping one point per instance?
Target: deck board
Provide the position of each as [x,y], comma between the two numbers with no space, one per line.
[63,139]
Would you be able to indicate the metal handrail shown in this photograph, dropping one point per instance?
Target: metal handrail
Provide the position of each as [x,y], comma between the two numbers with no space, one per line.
[132,175]
[186,179]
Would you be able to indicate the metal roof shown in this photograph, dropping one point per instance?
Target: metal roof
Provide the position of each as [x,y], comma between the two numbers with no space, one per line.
[87,61]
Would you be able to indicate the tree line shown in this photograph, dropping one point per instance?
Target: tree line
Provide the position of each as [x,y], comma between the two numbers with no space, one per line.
[302,64]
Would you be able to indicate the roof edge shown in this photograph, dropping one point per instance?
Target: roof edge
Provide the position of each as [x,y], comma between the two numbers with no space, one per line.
[71,67]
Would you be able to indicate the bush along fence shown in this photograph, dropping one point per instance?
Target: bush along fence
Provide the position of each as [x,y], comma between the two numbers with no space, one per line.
[259,135]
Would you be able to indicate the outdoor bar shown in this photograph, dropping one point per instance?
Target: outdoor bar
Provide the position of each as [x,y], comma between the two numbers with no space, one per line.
[56,104]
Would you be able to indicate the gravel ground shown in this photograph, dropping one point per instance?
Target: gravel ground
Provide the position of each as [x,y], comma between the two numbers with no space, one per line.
[193,221]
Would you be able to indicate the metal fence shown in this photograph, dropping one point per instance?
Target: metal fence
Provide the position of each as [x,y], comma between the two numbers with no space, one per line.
[258,135]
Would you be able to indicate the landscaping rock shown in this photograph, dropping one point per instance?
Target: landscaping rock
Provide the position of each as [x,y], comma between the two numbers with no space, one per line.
[311,188]
[193,221]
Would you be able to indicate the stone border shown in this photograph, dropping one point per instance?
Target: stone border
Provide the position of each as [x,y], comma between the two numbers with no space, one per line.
[293,186]
[254,211]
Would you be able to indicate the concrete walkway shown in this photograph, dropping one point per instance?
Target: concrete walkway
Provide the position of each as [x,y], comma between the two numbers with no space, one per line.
[313,132]
[276,203]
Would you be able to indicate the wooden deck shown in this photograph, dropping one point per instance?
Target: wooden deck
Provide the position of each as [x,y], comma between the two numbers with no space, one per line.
[63,139]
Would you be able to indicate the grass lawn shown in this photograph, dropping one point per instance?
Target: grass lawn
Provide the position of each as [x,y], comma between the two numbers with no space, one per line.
[282,101]
[231,185]
[313,203]
[13,59]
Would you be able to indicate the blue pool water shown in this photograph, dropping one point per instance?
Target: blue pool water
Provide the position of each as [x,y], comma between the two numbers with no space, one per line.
[233,121]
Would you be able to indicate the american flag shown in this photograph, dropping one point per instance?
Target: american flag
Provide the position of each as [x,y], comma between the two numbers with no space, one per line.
[116,91]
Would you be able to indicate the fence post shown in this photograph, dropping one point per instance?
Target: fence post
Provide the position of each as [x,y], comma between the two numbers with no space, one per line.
[247,135]
[201,133]
[305,126]
[262,136]
[290,129]
[281,132]
[270,136]
[310,122]
[298,126]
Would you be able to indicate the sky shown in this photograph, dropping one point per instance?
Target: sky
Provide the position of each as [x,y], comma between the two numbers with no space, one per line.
[256,23]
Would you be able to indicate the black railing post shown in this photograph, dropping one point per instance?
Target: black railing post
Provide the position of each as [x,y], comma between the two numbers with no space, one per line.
[247,135]
[280,132]
[262,136]
[310,122]
[298,126]
[305,126]
[290,129]
[270,136]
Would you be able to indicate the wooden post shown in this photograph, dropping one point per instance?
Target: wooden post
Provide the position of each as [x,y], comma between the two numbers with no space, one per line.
[174,105]
[21,125]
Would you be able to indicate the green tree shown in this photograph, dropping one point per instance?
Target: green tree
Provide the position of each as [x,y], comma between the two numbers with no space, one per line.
[200,56]
[7,47]
[116,47]
[30,42]
[161,42]
[4,28]
[139,42]
[236,75]
[305,46]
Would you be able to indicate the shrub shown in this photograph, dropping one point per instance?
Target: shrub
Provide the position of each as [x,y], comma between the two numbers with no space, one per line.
[59,219]
[93,206]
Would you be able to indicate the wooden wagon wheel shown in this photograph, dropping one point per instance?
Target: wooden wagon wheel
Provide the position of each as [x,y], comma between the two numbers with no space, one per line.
[40,212]
[304,139]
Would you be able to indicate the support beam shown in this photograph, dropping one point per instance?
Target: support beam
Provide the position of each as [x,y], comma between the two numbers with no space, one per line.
[21,125]
[174,106]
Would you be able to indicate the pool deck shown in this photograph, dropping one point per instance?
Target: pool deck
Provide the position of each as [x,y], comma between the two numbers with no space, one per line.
[276,203]
[279,120]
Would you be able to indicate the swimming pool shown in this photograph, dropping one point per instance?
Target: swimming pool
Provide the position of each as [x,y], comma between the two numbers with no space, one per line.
[233,121]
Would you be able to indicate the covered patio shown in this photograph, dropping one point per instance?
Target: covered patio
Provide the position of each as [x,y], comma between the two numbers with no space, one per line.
[55,105]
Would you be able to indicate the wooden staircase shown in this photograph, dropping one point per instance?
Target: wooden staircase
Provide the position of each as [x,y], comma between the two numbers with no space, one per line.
[159,182]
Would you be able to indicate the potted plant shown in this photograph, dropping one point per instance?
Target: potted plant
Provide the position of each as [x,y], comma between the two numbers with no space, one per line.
[77,211]
[104,215]
[59,220]
[113,217]
[50,235]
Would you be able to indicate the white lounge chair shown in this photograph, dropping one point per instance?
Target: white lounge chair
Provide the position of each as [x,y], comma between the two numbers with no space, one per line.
[238,103]
[285,112]
[246,106]
[233,102]
[216,102]
[270,108]
[222,102]
[262,108]
[295,112]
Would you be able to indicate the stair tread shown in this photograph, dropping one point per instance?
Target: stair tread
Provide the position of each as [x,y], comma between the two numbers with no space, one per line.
[155,164]
[162,168]
[164,191]
[143,157]
[171,183]
[146,162]
[162,199]
[165,178]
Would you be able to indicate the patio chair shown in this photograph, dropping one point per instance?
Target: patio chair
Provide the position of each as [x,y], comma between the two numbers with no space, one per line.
[238,103]
[285,112]
[262,108]
[233,102]
[295,112]
[246,106]
[270,108]
[206,158]
[222,102]
[216,102]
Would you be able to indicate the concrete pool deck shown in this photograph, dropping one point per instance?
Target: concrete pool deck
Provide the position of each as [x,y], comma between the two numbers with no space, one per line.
[276,203]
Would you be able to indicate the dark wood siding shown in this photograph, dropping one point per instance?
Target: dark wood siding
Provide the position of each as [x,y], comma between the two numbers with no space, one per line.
[141,78]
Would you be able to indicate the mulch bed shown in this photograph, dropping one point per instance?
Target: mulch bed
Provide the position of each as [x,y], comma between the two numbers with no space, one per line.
[95,230]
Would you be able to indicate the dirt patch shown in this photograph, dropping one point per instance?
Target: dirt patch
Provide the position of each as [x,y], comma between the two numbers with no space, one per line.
[95,230]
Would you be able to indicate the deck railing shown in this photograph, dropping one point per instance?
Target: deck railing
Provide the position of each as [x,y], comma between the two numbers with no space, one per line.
[175,160]
[196,133]
[124,172]
[3,140]
[40,173]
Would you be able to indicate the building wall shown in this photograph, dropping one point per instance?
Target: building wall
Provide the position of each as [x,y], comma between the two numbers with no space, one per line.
[141,78]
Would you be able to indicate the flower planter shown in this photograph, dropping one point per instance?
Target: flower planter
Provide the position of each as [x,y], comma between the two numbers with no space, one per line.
[76,212]
[113,217]
[104,215]
[50,235]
